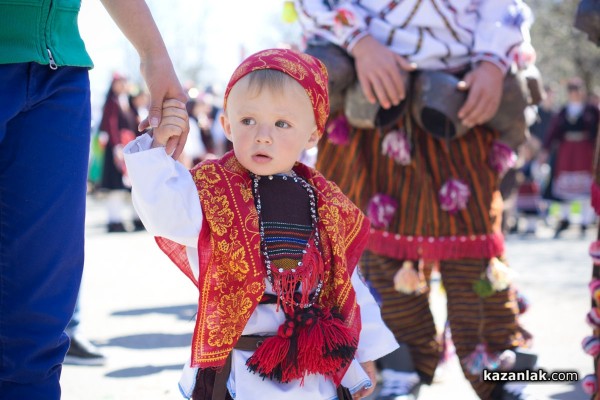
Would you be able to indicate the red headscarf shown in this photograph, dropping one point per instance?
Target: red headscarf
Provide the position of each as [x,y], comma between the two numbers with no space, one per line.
[307,70]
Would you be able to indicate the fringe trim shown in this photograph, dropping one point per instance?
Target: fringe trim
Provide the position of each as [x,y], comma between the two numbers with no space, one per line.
[307,276]
[404,247]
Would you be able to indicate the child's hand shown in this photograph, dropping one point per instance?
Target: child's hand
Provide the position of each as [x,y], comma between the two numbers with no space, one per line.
[369,368]
[173,123]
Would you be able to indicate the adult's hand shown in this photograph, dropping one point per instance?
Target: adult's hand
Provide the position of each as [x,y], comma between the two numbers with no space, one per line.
[134,19]
[380,71]
[485,85]
[163,85]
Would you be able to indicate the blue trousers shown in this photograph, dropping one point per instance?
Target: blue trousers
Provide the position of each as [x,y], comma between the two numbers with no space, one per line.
[44,146]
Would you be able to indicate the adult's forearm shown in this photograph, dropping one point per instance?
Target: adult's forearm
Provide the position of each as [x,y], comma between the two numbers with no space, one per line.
[134,19]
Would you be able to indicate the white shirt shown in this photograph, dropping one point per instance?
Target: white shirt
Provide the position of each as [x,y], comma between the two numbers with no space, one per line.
[435,34]
[166,199]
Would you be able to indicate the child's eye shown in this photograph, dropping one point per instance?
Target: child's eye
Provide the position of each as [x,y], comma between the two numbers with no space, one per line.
[248,121]
[282,124]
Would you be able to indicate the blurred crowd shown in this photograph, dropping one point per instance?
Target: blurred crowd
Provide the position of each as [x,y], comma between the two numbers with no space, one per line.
[550,185]
[125,106]
[559,150]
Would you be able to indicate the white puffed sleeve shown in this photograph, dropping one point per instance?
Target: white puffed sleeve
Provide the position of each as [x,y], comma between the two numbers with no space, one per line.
[503,26]
[163,192]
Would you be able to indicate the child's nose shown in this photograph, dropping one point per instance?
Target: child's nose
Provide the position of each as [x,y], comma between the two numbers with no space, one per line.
[263,135]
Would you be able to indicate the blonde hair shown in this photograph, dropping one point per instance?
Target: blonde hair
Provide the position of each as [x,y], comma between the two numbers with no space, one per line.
[268,78]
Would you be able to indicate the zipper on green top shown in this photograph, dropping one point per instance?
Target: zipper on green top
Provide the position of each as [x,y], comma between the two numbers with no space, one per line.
[51,61]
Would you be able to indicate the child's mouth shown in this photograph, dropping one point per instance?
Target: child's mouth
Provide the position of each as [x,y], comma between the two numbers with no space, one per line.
[261,158]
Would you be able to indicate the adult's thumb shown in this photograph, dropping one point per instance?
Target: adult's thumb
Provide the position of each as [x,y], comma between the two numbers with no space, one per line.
[152,120]
[465,83]
[405,64]
[154,114]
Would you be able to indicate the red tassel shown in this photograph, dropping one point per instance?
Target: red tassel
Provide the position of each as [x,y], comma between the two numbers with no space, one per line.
[310,336]
[339,345]
[268,358]
[328,346]
[330,343]
[336,336]
[289,368]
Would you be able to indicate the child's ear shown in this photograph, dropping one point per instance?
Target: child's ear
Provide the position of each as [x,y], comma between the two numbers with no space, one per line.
[313,139]
[226,125]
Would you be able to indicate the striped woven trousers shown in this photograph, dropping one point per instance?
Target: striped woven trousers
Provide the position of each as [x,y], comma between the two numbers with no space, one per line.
[362,171]
[471,317]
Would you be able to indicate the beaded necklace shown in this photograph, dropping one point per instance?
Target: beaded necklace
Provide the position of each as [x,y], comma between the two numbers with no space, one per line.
[274,273]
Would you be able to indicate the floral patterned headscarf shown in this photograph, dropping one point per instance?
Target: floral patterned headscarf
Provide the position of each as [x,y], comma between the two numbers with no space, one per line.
[307,70]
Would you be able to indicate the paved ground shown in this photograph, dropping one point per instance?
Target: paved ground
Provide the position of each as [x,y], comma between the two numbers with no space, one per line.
[139,310]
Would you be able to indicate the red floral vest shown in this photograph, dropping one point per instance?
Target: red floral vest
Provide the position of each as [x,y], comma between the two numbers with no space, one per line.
[232,272]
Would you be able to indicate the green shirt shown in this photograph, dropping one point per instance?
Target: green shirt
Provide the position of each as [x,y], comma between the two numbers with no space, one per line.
[41,31]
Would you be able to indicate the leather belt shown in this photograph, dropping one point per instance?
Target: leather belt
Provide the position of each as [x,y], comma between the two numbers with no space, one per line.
[247,343]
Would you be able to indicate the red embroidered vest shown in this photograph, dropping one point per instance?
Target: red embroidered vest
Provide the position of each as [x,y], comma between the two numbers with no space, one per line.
[232,272]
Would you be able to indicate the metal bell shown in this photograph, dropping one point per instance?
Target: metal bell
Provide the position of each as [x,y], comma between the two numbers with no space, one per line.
[510,118]
[435,101]
[363,114]
[535,85]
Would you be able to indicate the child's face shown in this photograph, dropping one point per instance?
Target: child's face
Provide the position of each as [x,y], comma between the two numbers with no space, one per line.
[269,129]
